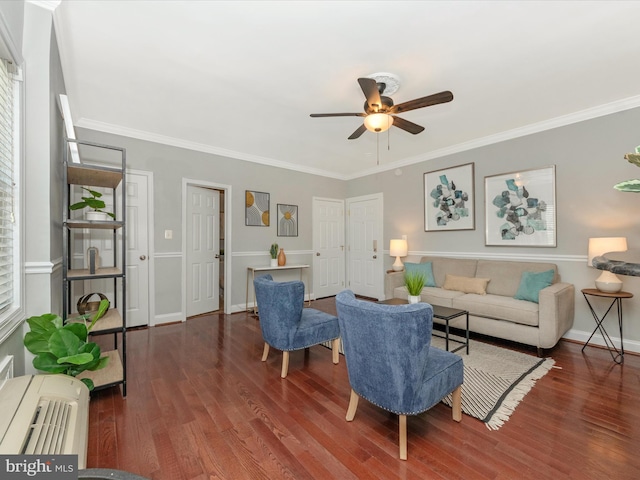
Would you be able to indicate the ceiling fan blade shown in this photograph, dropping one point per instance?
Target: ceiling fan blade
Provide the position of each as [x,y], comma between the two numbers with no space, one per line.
[370,89]
[406,125]
[435,99]
[358,132]
[315,115]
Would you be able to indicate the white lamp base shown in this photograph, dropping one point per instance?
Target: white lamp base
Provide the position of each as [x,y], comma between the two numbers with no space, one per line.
[398,266]
[608,282]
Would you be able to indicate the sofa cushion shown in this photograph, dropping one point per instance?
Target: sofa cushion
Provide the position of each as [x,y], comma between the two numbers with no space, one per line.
[466,284]
[505,275]
[499,307]
[426,268]
[431,295]
[531,283]
[454,266]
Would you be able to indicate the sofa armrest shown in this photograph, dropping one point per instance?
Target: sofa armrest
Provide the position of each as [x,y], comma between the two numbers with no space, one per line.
[392,280]
[556,312]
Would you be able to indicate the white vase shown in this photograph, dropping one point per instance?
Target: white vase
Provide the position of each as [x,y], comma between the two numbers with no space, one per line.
[93,215]
[274,262]
[414,298]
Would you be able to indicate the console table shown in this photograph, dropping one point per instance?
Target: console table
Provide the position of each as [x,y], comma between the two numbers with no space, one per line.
[251,275]
[616,300]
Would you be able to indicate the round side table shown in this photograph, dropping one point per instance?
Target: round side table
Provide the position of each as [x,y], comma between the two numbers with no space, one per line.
[617,355]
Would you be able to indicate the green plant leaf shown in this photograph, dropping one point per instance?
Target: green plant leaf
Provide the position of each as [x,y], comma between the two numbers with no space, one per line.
[77,359]
[94,203]
[92,192]
[628,186]
[414,282]
[37,342]
[44,323]
[47,362]
[64,343]
[88,382]
[102,309]
[78,329]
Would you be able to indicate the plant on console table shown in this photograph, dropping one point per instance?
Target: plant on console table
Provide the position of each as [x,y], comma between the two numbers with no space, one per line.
[414,282]
[95,203]
[63,348]
[274,254]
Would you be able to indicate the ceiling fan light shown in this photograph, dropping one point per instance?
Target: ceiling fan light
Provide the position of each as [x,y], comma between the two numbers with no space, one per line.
[378,122]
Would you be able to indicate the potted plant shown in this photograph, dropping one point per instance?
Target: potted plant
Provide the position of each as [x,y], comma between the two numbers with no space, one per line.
[414,282]
[95,203]
[63,348]
[274,254]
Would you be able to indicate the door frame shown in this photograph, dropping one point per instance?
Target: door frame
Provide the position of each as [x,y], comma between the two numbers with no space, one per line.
[227,240]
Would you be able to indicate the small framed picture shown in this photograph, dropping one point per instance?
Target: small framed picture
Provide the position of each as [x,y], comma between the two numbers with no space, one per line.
[287,220]
[520,208]
[449,202]
[256,209]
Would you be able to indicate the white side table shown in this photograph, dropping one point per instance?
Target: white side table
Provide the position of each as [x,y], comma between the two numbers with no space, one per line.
[251,274]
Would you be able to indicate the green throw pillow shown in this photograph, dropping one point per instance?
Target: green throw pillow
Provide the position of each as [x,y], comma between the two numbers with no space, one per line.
[531,283]
[425,268]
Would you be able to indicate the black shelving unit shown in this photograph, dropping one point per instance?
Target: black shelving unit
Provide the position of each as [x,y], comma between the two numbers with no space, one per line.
[114,322]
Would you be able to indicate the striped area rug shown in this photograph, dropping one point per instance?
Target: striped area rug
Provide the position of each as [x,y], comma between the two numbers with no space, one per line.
[496,380]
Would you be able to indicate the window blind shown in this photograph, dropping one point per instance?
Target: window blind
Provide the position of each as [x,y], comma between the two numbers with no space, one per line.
[6,185]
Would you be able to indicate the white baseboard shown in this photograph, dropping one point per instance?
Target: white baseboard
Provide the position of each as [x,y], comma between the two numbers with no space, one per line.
[168,318]
[582,337]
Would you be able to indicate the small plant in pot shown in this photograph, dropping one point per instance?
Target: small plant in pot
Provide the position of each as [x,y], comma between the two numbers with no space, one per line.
[63,348]
[95,204]
[414,282]
[274,254]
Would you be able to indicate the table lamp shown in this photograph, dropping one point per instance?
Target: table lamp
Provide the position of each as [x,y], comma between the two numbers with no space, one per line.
[607,282]
[398,248]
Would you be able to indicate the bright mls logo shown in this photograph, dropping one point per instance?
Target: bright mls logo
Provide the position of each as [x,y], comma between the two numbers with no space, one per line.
[50,467]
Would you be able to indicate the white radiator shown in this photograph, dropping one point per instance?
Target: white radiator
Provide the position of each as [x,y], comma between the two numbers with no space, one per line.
[45,415]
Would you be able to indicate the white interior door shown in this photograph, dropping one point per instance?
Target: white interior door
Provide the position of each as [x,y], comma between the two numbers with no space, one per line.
[365,273]
[203,255]
[329,247]
[137,187]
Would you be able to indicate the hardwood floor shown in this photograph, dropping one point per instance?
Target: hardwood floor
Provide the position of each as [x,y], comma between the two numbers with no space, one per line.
[201,405]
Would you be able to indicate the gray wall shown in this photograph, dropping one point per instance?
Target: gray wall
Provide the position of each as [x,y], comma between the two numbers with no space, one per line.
[589,160]
[249,245]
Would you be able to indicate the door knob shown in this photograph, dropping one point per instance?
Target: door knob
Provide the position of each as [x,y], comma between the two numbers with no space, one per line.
[217,256]
[317,254]
[143,257]
[375,256]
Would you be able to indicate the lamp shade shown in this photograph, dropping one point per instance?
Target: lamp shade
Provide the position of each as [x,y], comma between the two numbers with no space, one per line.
[378,122]
[398,248]
[601,245]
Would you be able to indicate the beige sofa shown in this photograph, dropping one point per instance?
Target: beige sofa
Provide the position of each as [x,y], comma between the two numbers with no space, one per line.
[497,313]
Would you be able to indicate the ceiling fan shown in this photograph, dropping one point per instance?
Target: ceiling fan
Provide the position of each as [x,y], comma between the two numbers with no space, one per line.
[379,110]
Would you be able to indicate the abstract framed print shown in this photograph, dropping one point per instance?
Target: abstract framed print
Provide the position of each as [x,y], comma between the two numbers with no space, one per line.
[520,208]
[287,220]
[449,202]
[256,209]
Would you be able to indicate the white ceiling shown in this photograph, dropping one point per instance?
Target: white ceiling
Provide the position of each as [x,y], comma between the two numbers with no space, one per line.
[241,78]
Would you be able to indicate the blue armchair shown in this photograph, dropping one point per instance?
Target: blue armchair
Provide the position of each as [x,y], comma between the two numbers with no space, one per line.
[287,325]
[391,363]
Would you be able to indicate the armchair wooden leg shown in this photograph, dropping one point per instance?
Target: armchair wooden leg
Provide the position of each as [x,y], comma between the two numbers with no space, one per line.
[402,420]
[456,403]
[353,406]
[265,352]
[285,364]
[335,349]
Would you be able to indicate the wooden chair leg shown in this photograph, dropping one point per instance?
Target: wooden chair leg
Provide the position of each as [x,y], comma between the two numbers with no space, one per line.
[353,406]
[335,349]
[456,404]
[285,364]
[402,420]
[265,352]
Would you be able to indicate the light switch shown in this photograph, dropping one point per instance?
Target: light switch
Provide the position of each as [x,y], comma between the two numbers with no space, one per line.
[168,234]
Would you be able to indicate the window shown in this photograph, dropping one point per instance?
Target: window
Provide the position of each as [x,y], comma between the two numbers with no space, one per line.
[10,282]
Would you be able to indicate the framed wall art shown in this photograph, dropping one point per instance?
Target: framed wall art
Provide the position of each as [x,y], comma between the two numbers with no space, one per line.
[256,209]
[287,220]
[521,208]
[449,202]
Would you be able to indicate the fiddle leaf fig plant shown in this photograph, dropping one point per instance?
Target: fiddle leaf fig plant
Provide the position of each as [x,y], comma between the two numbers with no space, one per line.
[94,202]
[63,348]
[631,185]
